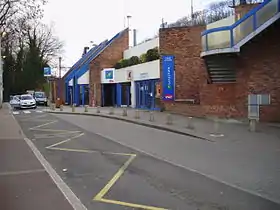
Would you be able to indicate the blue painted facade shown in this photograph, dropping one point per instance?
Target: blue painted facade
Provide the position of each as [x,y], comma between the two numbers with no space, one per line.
[251,14]
[146,94]
[81,67]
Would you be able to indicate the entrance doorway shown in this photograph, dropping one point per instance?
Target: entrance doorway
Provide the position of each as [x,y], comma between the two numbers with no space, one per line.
[86,95]
[146,94]
[125,94]
[108,94]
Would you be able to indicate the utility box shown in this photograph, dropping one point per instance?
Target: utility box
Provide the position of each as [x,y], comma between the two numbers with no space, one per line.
[58,102]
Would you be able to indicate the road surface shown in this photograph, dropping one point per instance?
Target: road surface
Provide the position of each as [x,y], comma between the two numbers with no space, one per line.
[105,173]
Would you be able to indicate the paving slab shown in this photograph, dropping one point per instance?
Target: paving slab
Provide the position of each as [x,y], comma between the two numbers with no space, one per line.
[34,190]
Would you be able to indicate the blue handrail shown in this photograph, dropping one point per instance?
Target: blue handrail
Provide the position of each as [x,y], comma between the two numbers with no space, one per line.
[244,18]
[252,13]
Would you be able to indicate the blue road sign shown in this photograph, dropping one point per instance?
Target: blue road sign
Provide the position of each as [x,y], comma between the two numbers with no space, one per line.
[47,72]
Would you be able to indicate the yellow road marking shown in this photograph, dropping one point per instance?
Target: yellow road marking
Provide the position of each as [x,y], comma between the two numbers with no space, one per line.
[119,173]
[72,150]
[54,130]
[64,141]
[116,177]
[34,118]
[130,204]
[39,126]
[89,151]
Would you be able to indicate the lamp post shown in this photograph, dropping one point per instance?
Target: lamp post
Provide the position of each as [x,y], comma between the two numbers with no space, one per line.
[1,75]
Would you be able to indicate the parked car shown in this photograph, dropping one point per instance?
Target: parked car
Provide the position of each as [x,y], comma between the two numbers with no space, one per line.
[41,98]
[15,102]
[27,101]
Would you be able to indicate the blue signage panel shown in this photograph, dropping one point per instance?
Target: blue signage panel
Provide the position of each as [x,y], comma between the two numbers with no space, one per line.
[168,78]
[47,72]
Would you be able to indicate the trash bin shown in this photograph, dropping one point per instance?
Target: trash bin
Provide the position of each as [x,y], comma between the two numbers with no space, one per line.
[58,102]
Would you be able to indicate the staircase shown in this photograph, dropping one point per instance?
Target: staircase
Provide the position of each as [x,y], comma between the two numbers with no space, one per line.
[221,68]
[221,45]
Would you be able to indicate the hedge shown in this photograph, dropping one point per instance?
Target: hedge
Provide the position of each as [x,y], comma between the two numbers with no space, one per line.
[150,55]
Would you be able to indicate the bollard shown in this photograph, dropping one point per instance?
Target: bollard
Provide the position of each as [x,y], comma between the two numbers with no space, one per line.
[169,120]
[190,123]
[73,107]
[61,107]
[53,107]
[216,129]
[98,110]
[137,114]
[111,111]
[216,126]
[124,112]
[252,125]
[86,108]
[152,117]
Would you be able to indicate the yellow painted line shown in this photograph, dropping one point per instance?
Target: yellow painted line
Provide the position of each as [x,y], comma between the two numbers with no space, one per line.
[89,151]
[55,130]
[73,150]
[33,118]
[117,153]
[132,205]
[119,173]
[64,141]
[39,126]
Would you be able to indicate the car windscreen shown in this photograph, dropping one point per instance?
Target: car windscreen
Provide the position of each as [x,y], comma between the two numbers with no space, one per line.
[26,97]
[39,95]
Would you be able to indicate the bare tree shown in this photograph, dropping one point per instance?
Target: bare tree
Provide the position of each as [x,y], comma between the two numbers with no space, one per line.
[214,12]
[48,44]
[29,9]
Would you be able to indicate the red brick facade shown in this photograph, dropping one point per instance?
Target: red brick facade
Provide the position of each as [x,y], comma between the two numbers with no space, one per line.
[107,59]
[258,72]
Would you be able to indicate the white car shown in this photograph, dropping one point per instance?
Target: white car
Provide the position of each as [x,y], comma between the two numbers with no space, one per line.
[15,102]
[27,101]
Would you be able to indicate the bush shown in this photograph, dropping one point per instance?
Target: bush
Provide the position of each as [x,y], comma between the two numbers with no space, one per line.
[134,60]
[118,65]
[124,63]
[152,54]
[143,58]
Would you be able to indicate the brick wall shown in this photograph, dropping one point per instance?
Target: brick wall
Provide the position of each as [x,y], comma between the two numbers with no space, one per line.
[257,72]
[107,59]
[185,45]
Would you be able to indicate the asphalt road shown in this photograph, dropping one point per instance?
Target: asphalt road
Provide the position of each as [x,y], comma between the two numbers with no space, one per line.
[106,175]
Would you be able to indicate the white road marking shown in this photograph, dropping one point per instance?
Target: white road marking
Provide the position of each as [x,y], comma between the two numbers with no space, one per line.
[63,187]
[15,112]
[67,192]
[7,173]
[39,111]
[26,112]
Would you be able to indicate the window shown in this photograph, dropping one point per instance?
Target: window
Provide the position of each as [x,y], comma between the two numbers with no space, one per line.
[26,97]
[40,95]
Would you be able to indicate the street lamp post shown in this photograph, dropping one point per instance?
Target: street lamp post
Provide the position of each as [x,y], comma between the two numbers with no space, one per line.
[1,74]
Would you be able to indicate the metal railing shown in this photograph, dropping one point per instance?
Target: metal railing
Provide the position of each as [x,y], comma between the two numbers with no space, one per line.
[229,36]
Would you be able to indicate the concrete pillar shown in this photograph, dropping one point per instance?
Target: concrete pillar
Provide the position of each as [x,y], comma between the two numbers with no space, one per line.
[152,117]
[253,125]
[111,111]
[169,119]
[124,112]
[137,114]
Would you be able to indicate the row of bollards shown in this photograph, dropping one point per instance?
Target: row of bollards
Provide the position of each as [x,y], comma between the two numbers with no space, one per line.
[169,119]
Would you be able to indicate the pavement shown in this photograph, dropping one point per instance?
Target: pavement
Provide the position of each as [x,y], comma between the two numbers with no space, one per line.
[113,164]
[207,129]
[24,182]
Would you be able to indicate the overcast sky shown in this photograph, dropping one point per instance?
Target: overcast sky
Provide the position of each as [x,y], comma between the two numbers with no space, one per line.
[79,22]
